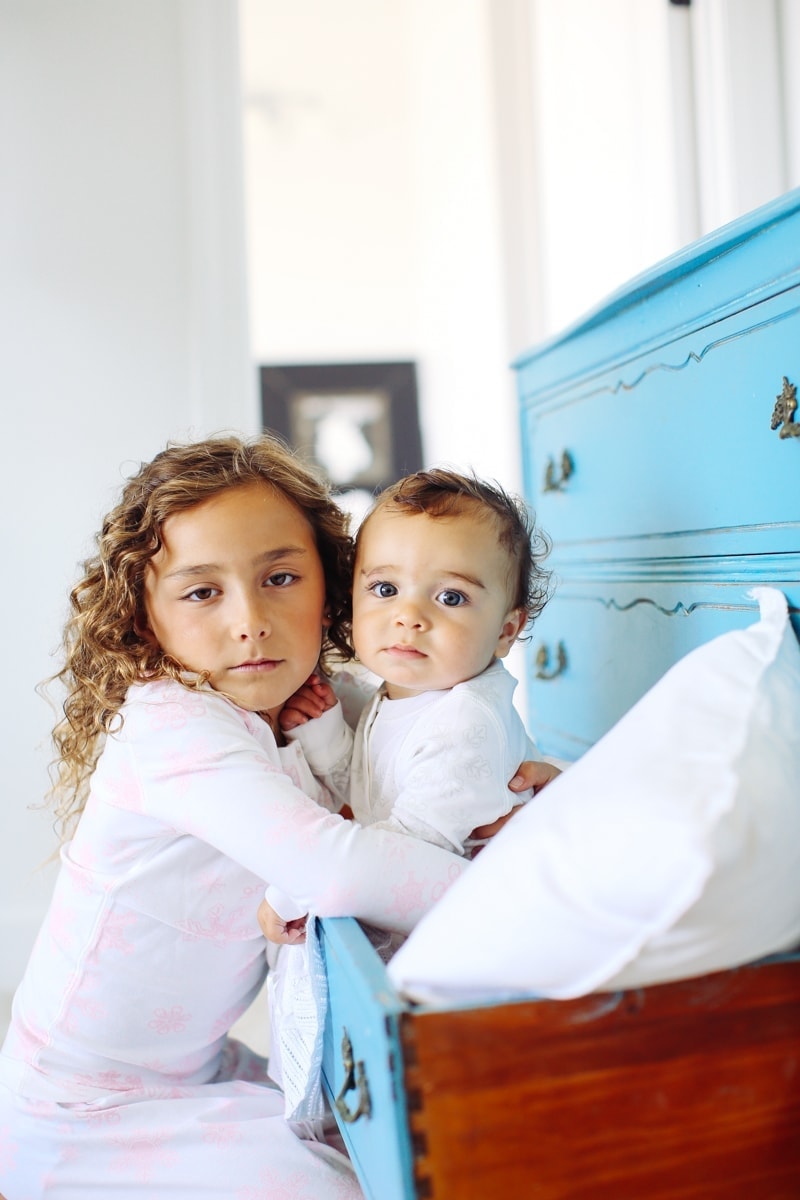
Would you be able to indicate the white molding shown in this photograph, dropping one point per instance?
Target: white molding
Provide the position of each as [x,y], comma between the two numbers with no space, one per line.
[511,35]
[222,376]
[740,121]
[789,42]
[684,124]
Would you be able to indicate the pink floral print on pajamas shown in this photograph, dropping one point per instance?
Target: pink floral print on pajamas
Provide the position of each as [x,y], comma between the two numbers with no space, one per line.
[118,1065]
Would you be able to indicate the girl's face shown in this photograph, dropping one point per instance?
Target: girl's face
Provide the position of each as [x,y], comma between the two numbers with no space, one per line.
[238,590]
[431,600]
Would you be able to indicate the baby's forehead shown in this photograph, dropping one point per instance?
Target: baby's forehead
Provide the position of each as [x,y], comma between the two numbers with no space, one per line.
[391,522]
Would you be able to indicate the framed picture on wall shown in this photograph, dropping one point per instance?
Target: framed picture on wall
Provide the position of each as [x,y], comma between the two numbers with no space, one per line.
[358,422]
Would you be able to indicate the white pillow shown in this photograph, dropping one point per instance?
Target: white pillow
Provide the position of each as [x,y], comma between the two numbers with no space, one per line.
[672,848]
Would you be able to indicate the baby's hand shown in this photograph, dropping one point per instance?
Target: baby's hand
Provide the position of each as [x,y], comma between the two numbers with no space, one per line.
[310,700]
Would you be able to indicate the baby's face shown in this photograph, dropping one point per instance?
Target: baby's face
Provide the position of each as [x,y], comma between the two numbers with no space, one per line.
[431,600]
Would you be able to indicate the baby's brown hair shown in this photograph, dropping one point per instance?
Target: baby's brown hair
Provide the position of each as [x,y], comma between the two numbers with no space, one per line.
[444,493]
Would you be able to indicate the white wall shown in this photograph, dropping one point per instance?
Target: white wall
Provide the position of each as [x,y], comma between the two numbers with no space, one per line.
[123,317]
[373,218]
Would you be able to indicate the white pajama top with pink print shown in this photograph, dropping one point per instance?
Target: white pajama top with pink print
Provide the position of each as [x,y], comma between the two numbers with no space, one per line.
[117,1070]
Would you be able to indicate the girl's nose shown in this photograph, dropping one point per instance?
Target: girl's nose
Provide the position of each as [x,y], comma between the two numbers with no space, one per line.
[251,622]
[248,635]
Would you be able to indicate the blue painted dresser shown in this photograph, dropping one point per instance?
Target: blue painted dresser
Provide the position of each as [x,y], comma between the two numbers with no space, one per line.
[662,455]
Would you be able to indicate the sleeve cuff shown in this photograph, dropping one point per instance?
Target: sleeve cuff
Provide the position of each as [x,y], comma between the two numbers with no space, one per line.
[283,905]
[325,740]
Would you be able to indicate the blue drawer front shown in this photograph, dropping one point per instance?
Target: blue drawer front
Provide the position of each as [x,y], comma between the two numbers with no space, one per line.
[678,441]
[362,1004]
[618,639]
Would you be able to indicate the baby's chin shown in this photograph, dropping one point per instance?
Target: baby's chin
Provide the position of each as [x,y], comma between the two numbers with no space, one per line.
[397,689]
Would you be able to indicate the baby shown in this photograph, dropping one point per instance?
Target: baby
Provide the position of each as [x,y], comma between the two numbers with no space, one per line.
[447,576]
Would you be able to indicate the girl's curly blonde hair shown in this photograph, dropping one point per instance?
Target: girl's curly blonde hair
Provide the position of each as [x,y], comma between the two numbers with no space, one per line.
[104,650]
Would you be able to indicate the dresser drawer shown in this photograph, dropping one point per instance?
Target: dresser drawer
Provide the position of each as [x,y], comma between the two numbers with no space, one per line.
[603,642]
[675,441]
[363,1018]
[613,1097]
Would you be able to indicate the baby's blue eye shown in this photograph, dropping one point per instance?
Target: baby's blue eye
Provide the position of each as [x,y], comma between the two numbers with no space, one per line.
[384,590]
[451,598]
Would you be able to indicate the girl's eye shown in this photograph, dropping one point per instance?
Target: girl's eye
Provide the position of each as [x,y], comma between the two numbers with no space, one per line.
[200,594]
[281,579]
[383,590]
[450,598]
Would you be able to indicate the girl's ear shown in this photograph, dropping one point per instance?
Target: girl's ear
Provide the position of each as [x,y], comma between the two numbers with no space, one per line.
[143,630]
[513,625]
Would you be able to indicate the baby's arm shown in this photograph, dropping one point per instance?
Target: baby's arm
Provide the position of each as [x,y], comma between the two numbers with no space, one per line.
[313,717]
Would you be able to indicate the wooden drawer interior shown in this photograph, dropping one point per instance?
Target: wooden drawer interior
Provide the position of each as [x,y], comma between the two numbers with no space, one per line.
[677,1091]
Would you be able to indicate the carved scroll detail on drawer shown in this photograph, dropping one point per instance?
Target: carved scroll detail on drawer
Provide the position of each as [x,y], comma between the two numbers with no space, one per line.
[556,482]
[355,1079]
[784,410]
[543,668]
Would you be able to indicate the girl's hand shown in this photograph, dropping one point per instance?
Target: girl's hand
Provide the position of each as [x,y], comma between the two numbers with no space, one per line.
[534,775]
[275,929]
[311,700]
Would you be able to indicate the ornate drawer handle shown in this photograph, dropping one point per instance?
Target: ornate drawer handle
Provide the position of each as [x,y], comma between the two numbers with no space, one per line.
[557,483]
[543,670]
[355,1078]
[784,410]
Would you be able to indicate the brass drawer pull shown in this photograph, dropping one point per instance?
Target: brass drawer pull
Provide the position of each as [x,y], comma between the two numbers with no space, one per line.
[557,483]
[543,670]
[355,1078]
[784,410]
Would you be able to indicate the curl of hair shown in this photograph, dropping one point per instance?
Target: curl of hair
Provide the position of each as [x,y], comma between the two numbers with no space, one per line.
[105,649]
[443,493]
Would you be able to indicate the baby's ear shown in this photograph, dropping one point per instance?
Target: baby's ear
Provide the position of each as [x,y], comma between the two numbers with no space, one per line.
[513,625]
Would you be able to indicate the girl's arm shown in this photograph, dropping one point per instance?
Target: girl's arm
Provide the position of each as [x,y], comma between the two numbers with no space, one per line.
[205,768]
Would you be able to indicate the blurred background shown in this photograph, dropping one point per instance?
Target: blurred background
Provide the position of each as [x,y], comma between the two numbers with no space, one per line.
[215,213]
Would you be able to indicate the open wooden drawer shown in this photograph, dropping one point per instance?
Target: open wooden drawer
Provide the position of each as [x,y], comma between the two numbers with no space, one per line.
[688,1089]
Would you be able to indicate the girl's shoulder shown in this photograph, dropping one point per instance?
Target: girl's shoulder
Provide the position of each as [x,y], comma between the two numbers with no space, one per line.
[166,704]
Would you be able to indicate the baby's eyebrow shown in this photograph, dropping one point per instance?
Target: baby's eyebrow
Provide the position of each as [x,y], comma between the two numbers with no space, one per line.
[381,569]
[459,575]
[445,576]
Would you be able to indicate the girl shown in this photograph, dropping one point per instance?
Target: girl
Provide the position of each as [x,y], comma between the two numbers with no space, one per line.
[218,580]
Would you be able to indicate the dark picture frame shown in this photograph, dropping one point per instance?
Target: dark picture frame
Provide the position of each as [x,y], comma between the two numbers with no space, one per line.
[358,422]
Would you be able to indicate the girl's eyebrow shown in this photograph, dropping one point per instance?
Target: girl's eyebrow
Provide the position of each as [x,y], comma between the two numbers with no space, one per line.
[264,559]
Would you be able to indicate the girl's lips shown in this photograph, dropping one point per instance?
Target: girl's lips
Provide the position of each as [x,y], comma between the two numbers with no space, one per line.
[261,664]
